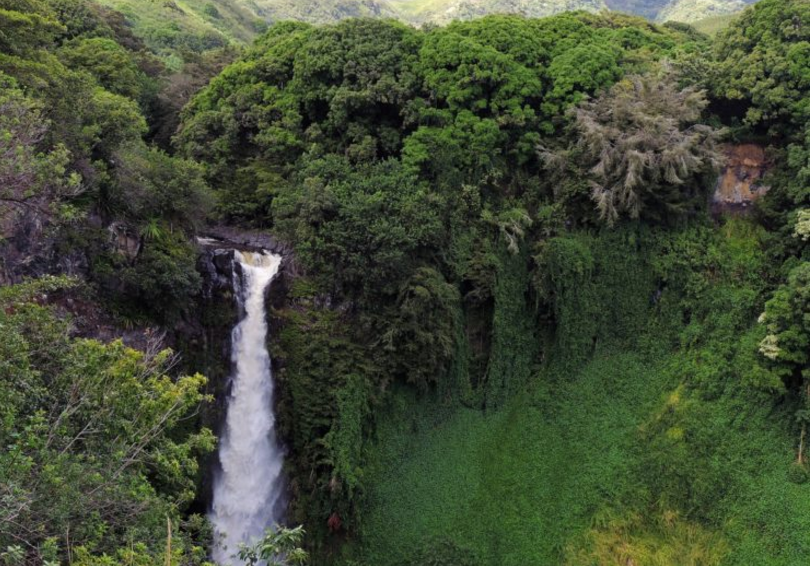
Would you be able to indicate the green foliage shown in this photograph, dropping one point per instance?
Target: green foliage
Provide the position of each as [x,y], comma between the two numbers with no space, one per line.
[325,396]
[763,64]
[581,70]
[361,229]
[30,179]
[160,280]
[515,343]
[95,456]
[345,439]
[644,150]
[784,349]
[112,66]
[667,540]
[280,546]
[26,26]
[456,103]
[797,184]
[84,116]
[80,18]
[574,276]
[653,449]
[28,292]
[444,553]
[418,343]
[151,184]
[178,32]
[85,157]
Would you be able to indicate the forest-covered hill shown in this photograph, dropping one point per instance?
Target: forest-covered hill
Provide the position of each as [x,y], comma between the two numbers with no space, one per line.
[175,28]
[443,11]
[512,326]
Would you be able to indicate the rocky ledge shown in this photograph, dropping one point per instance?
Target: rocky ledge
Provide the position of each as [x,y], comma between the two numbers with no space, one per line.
[740,181]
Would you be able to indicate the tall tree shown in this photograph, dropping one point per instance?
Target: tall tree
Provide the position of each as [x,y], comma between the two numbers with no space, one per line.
[644,149]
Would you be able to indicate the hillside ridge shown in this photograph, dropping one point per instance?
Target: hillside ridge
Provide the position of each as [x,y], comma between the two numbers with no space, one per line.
[177,26]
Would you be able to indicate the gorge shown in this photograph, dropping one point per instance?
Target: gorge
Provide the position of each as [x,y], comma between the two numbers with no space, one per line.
[381,295]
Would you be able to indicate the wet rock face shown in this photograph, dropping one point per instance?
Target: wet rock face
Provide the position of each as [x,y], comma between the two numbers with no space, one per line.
[216,262]
[216,311]
[29,248]
[125,240]
[740,182]
[226,236]
[216,266]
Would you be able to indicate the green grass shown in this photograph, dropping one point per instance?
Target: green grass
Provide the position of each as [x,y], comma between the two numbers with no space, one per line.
[170,28]
[520,486]
[691,11]
[514,486]
[713,25]
[653,450]
[418,8]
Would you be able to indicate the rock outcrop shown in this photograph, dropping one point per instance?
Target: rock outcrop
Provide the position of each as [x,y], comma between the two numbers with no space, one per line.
[740,182]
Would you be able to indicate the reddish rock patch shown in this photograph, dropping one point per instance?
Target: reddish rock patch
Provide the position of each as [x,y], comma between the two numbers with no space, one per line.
[740,182]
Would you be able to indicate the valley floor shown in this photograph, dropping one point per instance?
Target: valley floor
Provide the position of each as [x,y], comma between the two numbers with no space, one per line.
[646,454]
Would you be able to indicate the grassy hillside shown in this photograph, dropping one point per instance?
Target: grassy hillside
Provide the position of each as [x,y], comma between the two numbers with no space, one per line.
[171,28]
[695,10]
[651,450]
[712,25]
[442,11]
[445,11]
[175,28]
[180,26]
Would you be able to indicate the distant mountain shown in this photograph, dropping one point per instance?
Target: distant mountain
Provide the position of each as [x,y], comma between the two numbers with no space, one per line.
[712,25]
[323,11]
[444,11]
[645,8]
[691,11]
[687,11]
[173,27]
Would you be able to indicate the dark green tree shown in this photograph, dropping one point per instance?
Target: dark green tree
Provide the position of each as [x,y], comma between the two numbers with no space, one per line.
[763,63]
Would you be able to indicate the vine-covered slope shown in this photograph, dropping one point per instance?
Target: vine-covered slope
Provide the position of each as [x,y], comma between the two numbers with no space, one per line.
[515,329]
[518,336]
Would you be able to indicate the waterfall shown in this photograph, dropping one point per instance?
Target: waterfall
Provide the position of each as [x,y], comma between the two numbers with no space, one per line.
[248,488]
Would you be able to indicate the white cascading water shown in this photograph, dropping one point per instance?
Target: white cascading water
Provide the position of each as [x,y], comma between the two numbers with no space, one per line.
[248,487]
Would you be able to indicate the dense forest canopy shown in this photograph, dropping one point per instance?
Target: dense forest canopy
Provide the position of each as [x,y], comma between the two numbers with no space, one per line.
[514,330]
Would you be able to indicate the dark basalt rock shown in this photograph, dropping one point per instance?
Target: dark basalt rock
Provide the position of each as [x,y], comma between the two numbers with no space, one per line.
[30,248]
[247,240]
[216,266]
[216,261]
